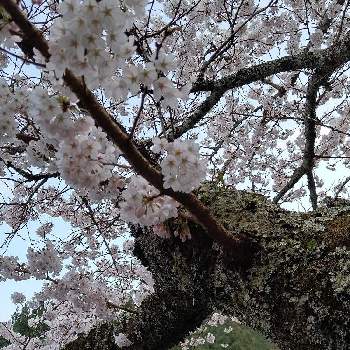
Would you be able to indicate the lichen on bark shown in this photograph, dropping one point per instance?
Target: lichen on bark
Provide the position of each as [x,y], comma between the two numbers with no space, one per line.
[296,289]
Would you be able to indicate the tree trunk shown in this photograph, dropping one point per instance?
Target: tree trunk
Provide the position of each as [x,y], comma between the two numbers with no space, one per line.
[295,290]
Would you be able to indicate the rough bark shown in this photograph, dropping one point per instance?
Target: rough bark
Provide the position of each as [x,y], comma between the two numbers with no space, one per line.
[296,291]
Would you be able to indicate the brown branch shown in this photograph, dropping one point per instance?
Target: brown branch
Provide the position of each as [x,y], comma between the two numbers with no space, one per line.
[199,114]
[30,33]
[26,138]
[238,245]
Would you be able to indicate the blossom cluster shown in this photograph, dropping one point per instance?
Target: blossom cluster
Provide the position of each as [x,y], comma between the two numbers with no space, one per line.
[79,38]
[203,334]
[121,340]
[18,298]
[10,268]
[11,104]
[91,40]
[44,261]
[84,156]
[59,318]
[182,168]
[44,229]
[143,204]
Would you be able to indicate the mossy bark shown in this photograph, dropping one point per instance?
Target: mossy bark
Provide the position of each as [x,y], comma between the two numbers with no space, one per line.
[296,289]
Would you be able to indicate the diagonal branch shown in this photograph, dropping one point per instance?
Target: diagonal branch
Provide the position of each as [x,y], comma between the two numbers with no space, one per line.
[152,175]
[199,114]
[294,179]
[238,244]
[30,33]
[341,187]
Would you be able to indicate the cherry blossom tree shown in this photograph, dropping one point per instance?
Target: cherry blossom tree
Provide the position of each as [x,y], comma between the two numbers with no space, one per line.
[170,137]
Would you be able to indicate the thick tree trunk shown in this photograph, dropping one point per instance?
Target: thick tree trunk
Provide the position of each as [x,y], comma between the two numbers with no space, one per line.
[296,289]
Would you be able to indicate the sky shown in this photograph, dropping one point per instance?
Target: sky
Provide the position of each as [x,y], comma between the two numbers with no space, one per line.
[17,248]
[28,288]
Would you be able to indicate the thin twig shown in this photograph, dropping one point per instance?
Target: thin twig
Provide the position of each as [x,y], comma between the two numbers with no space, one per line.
[144,93]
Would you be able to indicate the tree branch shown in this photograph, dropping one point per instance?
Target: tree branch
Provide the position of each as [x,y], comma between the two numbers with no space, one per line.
[341,187]
[309,116]
[330,59]
[312,189]
[297,175]
[239,245]
[28,175]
